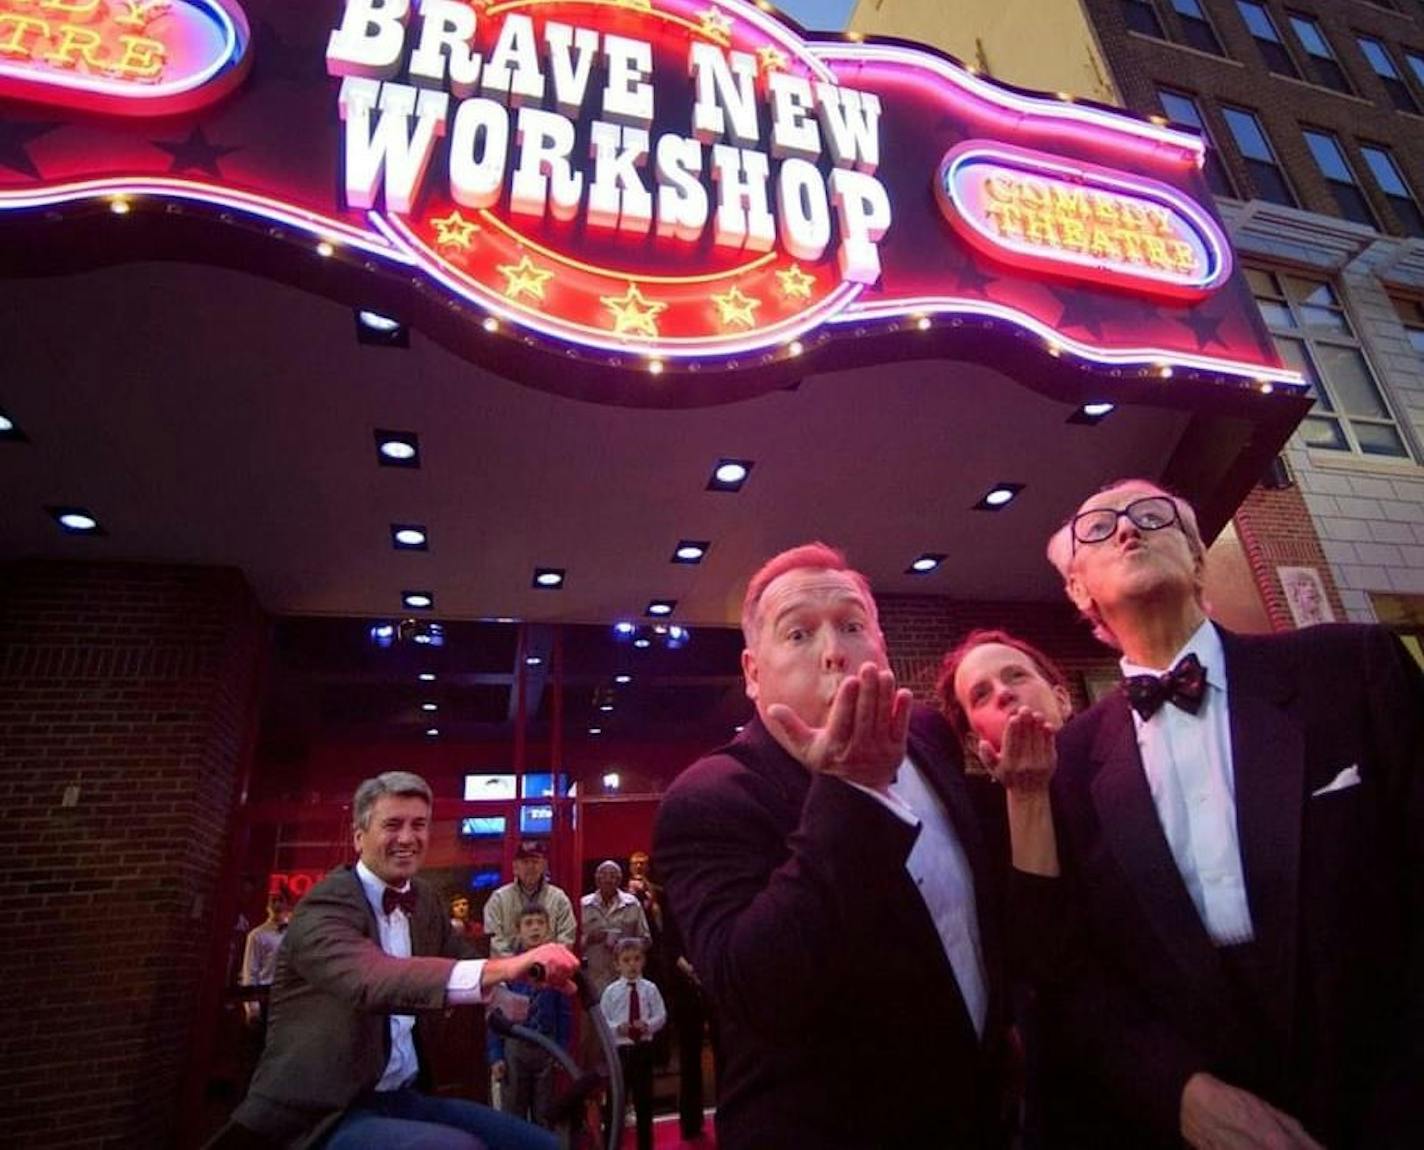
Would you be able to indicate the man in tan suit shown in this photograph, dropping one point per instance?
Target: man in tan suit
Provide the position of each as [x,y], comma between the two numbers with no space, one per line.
[369,948]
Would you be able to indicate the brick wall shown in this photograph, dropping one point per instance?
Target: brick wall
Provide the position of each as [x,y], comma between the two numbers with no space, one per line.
[1276,530]
[133,684]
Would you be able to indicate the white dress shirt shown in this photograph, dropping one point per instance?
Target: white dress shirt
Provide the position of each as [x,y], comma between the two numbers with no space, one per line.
[462,988]
[614,1005]
[1187,760]
[940,869]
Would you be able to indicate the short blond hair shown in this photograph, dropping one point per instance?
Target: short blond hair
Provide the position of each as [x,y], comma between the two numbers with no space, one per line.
[815,556]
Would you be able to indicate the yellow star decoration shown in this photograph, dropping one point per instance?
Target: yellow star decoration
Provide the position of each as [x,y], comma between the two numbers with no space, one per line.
[716,25]
[139,13]
[734,307]
[454,230]
[634,313]
[795,284]
[524,279]
[771,59]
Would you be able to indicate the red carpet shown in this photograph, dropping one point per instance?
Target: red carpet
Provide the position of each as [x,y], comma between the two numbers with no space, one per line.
[666,1136]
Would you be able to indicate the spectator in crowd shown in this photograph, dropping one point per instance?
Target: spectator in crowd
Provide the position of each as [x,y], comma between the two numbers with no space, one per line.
[531,886]
[526,1070]
[634,1009]
[609,916]
[259,956]
[1242,829]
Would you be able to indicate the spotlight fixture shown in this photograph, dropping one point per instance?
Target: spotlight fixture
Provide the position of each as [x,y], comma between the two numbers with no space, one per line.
[1091,413]
[729,474]
[376,330]
[397,448]
[624,630]
[76,520]
[661,607]
[409,537]
[690,551]
[10,431]
[642,642]
[926,563]
[418,600]
[999,496]
[548,578]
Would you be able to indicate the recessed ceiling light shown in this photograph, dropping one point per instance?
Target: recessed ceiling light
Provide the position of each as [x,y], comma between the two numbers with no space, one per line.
[729,474]
[690,551]
[426,676]
[662,607]
[999,496]
[10,431]
[532,660]
[605,707]
[595,730]
[642,643]
[376,330]
[429,706]
[1091,413]
[621,679]
[76,520]
[925,563]
[625,629]
[548,578]
[432,731]
[409,537]
[397,448]
[418,600]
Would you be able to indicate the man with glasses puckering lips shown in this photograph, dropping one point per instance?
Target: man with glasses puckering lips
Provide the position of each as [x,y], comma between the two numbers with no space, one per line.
[1241,831]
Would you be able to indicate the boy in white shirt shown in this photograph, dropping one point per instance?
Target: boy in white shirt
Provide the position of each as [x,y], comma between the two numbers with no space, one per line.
[634,1009]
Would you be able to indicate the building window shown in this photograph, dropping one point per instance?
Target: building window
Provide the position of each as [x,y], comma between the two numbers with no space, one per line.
[1380,60]
[1313,335]
[1142,17]
[1416,65]
[1411,314]
[1324,67]
[1391,181]
[1263,28]
[1340,176]
[1196,28]
[1266,174]
[1182,109]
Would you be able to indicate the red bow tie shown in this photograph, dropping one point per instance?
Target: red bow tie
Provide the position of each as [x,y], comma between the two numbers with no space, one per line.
[405,899]
[1183,686]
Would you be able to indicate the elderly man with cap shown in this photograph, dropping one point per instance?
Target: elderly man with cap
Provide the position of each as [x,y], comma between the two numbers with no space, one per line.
[609,916]
[531,887]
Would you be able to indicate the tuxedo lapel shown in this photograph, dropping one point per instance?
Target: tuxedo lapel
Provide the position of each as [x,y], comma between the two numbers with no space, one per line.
[1268,765]
[1133,834]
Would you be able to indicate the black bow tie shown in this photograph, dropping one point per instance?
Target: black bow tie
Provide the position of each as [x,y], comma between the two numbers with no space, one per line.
[405,899]
[1184,686]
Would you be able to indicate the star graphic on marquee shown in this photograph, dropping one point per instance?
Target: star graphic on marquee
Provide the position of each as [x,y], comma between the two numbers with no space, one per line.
[734,307]
[1204,327]
[715,25]
[139,14]
[195,152]
[524,279]
[453,230]
[968,277]
[795,284]
[634,313]
[1077,312]
[771,59]
[14,138]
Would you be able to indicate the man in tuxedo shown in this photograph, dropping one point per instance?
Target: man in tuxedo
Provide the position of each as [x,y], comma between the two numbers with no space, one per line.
[834,892]
[368,950]
[1241,828]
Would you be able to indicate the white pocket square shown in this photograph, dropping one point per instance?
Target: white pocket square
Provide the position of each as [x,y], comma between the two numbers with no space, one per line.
[1349,777]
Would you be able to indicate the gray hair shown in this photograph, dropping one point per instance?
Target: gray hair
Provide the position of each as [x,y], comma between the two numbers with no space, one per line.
[1061,552]
[608,864]
[386,783]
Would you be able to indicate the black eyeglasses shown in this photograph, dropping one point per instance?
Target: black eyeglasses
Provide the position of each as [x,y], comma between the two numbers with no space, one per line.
[1151,513]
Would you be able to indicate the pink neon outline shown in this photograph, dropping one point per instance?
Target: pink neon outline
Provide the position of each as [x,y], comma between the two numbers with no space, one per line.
[132,91]
[952,305]
[679,347]
[769,26]
[1047,107]
[335,231]
[1214,240]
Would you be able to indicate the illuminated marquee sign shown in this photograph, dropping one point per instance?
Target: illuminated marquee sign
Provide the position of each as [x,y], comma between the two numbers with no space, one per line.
[1038,212]
[132,57]
[666,185]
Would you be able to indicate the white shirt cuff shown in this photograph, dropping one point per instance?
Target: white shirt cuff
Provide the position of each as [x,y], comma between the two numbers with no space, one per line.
[891,802]
[463,987]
